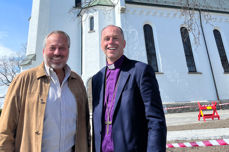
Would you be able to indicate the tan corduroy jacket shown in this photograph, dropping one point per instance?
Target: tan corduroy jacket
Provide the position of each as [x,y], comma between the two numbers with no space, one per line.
[21,121]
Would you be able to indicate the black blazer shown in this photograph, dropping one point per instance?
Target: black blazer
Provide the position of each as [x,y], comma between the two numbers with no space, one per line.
[138,121]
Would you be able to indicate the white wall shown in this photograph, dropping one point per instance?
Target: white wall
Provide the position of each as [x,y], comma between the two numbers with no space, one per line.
[63,17]
[93,56]
[221,23]
[176,84]
[55,15]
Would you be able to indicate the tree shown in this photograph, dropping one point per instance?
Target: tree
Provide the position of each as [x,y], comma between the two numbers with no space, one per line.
[192,10]
[10,67]
[86,7]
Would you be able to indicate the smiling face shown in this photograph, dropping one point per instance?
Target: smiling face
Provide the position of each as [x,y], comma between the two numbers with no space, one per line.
[112,43]
[56,51]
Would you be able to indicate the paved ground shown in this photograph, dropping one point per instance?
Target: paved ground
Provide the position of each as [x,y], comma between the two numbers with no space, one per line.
[185,127]
[175,119]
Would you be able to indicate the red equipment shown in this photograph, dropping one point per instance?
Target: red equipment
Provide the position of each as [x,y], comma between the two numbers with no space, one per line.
[212,115]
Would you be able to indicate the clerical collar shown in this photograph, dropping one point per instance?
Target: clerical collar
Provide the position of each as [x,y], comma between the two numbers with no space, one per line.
[117,63]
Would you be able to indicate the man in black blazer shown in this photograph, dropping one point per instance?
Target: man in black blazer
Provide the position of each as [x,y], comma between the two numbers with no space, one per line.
[127,109]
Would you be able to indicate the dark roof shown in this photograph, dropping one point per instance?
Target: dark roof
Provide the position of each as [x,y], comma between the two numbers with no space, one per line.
[209,5]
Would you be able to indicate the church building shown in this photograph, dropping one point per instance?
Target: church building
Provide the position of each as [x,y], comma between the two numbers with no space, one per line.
[188,47]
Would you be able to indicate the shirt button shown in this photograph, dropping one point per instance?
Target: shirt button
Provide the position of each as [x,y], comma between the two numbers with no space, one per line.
[37,133]
[42,102]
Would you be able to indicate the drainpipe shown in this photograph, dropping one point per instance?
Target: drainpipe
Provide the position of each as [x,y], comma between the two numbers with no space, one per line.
[81,37]
[213,76]
[81,33]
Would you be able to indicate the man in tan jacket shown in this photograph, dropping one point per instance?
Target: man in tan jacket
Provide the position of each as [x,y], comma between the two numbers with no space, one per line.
[46,107]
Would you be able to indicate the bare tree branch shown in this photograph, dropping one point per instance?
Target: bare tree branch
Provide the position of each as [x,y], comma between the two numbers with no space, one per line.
[86,8]
[10,67]
[190,12]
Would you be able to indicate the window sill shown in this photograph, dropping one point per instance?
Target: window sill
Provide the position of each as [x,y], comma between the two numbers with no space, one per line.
[194,72]
[91,31]
[159,73]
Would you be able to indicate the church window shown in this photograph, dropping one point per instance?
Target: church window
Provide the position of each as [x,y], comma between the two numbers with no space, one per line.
[91,24]
[221,50]
[150,47]
[77,3]
[188,50]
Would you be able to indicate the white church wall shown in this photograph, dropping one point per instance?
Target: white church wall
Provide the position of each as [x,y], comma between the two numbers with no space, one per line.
[43,23]
[90,56]
[64,17]
[93,56]
[119,4]
[37,27]
[55,15]
[176,84]
[221,23]
[31,45]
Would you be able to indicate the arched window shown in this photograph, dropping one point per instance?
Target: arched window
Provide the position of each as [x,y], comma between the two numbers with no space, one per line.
[150,47]
[221,50]
[77,3]
[91,23]
[188,50]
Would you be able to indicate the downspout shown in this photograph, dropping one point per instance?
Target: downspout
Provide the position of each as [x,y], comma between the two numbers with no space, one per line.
[81,32]
[213,76]
[81,36]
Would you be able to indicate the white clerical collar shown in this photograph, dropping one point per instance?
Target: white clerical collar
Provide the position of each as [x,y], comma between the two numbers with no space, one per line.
[111,66]
[116,64]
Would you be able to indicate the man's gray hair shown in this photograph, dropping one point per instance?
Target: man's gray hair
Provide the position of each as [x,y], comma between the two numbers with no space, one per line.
[57,32]
[121,31]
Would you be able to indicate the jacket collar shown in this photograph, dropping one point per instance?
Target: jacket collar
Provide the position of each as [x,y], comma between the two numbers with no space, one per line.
[41,72]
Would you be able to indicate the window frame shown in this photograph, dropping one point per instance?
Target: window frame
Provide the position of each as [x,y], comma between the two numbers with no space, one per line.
[150,47]
[91,20]
[190,61]
[221,50]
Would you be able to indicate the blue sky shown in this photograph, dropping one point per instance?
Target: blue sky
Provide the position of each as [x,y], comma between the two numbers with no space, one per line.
[14,25]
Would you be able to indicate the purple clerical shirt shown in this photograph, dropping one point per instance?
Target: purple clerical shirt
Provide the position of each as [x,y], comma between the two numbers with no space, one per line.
[112,75]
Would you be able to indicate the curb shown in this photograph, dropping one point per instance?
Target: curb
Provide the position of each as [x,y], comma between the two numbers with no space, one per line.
[218,142]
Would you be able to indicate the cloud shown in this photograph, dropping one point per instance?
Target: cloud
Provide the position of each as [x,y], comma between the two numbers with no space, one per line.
[4,51]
